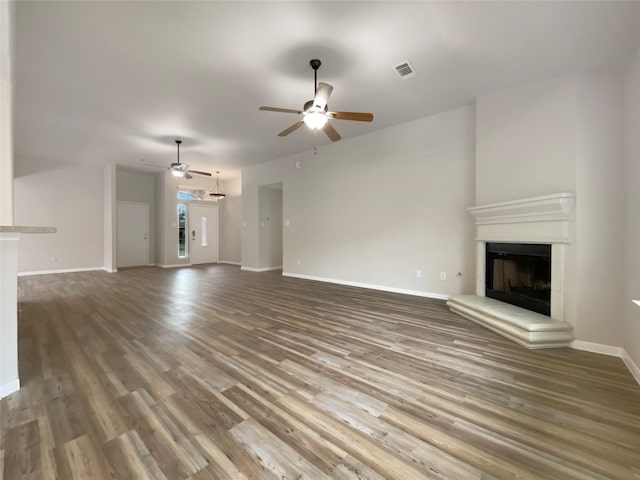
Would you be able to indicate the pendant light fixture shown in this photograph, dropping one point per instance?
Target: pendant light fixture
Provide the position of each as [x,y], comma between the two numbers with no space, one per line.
[217,194]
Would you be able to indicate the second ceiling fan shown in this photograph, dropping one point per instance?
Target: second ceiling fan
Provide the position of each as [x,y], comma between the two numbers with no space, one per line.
[316,113]
[178,169]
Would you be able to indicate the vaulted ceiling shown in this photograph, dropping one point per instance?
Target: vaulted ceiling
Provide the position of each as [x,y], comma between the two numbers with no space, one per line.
[102,82]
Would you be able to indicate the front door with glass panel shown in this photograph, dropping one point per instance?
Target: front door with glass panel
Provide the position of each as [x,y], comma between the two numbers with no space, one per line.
[203,233]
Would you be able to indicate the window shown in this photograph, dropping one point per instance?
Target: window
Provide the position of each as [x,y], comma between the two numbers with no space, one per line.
[190,193]
[182,230]
[204,231]
[186,196]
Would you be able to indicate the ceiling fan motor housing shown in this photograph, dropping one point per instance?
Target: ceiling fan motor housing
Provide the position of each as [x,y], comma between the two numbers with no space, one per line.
[309,104]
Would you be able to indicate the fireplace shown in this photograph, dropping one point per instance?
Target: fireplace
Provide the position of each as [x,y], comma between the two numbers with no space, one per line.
[519,274]
[525,255]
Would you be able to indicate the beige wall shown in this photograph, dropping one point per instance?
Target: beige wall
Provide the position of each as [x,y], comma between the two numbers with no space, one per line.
[599,209]
[8,243]
[526,141]
[631,324]
[231,221]
[376,208]
[71,199]
[7,17]
[564,135]
[109,222]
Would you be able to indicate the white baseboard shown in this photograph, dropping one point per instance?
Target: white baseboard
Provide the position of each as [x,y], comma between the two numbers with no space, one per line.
[611,351]
[175,265]
[110,270]
[267,269]
[633,368]
[229,263]
[62,270]
[417,293]
[9,388]
[597,348]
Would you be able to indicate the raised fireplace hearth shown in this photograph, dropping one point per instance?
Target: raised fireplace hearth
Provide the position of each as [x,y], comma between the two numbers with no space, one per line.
[523,260]
[529,329]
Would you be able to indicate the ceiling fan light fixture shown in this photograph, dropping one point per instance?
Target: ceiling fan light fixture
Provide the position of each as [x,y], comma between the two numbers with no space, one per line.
[177,173]
[315,120]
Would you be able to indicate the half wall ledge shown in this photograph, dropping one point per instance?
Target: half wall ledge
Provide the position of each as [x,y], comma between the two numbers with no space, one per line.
[527,328]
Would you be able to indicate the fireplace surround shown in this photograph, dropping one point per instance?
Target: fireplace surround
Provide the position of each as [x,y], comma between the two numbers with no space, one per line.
[547,220]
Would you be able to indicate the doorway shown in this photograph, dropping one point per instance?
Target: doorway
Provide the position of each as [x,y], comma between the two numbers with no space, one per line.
[270,235]
[203,226]
[132,234]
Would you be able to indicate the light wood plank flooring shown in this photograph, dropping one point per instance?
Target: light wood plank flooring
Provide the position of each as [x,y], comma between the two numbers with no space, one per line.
[211,372]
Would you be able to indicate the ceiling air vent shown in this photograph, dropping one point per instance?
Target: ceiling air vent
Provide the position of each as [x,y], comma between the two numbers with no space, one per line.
[405,70]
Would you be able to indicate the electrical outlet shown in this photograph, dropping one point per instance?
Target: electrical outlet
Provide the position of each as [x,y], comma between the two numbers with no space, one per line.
[287,223]
[418,273]
[443,276]
[54,259]
[299,262]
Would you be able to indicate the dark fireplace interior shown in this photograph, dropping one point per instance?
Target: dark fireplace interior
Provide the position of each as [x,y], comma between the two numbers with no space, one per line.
[520,274]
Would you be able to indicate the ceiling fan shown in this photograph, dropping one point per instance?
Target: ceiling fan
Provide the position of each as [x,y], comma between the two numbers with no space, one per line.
[316,113]
[178,169]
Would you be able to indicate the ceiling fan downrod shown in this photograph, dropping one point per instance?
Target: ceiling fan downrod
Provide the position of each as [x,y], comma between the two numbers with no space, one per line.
[315,64]
[178,142]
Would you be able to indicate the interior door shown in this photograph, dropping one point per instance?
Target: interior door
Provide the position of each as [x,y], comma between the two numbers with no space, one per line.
[203,226]
[132,234]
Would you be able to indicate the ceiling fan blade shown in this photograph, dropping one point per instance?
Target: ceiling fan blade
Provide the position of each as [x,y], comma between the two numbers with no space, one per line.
[198,172]
[322,95]
[357,116]
[155,166]
[187,176]
[282,110]
[331,132]
[293,127]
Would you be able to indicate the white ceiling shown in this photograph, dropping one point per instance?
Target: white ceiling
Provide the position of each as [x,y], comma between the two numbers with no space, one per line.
[101,82]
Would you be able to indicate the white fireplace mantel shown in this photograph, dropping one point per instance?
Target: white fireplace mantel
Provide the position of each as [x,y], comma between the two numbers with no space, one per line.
[547,219]
[558,206]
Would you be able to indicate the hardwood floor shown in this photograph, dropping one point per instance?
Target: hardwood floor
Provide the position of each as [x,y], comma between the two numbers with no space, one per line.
[211,372]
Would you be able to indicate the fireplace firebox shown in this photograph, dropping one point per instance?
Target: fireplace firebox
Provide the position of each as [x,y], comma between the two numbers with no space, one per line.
[519,274]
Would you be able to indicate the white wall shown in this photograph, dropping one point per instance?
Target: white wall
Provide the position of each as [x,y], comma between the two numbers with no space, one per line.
[631,324]
[133,186]
[526,141]
[109,212]
[7,21]
[376,208]
[159,218]
[9,381]
[564,135]
[71,199]
[230,210]
[599,209]
[270,232]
